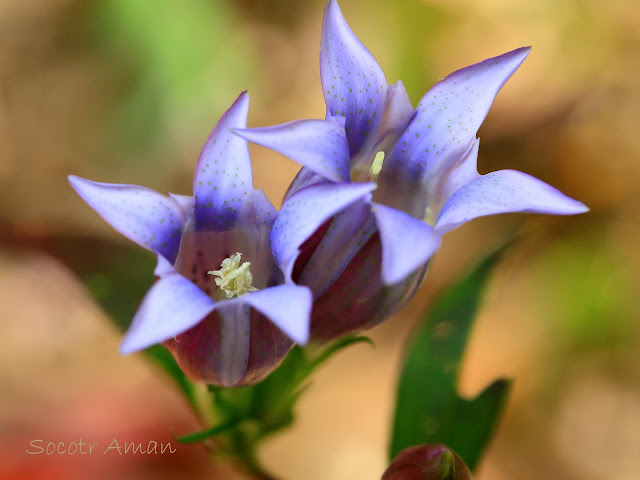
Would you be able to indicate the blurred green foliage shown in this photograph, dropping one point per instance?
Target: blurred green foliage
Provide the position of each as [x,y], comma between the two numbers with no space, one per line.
[588,289]
[182,58]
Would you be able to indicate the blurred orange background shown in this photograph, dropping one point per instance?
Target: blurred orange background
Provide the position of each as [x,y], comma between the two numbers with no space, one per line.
[127,91]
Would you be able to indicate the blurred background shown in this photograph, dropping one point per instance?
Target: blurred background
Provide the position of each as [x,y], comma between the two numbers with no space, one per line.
[127,91]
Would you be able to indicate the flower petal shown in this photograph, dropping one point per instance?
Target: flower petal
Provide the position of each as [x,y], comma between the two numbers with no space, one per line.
[264,211]
[353,83]
[186,203]
[458,175]
[223,349]
[235,341]
[504,191]
[142,215]
[399,111]
[223,174]
[319,145]
[449,115]
[304,212]
[172,306]
[163,267]
[287,306]
[346,233]
[357,299]
[395,119]
[422,198]
[407,243]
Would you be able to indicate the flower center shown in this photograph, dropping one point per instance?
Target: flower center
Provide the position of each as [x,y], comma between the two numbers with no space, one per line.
[234,279]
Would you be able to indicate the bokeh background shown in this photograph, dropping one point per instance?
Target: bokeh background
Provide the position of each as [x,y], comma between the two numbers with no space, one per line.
[128,90]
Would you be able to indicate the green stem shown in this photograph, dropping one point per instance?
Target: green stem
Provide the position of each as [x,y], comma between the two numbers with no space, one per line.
[243,448]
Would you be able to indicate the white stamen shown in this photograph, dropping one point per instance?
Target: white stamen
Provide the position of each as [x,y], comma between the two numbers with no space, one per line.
[235,279]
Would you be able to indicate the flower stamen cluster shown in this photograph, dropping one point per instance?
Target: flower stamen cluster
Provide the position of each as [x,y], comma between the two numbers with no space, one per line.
[235,279]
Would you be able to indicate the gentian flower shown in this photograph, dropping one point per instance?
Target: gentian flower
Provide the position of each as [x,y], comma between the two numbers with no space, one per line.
[380,175]
[220,304]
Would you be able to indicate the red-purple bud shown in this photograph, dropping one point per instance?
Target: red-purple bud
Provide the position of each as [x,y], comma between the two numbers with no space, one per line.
[427,462]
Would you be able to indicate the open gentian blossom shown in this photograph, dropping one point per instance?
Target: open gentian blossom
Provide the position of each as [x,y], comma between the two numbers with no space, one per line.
[376,170]
[220,304]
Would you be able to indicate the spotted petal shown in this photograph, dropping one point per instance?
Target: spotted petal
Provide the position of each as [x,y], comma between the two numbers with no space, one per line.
[223,174]
[319,145]
[264,212]
[144,216]
[304,212]
[172,306]
[504,191]
[449,115]
[407,243]
[353,83]
[287,306]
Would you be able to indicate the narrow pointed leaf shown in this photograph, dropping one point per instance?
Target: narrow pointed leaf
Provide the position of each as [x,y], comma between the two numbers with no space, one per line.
[428,408]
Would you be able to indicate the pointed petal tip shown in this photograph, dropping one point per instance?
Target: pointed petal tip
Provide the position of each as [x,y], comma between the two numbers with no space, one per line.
[407,243]
[331,5]
[172,306]
[522,52]
[132,343]
[571,206]
[505,191]
[244,96]
[127,346]
[319,145]
[287,306]
[391,276]
[77,182]
[353,82]
[579,207]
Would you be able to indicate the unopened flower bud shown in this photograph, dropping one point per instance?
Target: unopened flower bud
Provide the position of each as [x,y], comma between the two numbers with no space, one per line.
[427,462]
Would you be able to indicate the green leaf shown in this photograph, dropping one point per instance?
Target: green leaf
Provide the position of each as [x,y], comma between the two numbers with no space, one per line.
[209,432]
[483,412]
[428,408]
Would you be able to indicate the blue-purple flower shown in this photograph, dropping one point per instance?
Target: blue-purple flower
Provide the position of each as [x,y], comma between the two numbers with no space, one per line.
[220,304]
[378,170]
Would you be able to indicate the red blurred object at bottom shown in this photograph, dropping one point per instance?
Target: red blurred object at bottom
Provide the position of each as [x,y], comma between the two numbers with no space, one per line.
[427,462]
